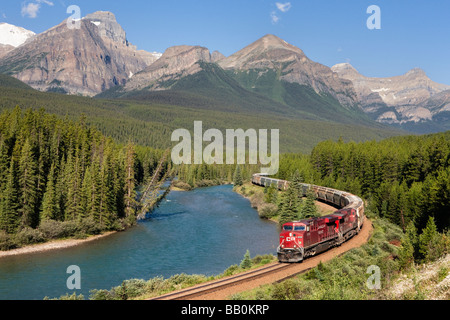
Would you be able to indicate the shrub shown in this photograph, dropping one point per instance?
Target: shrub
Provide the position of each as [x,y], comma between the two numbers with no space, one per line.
[28,236]
[268,211]
[182,185]
[263,259]
[88,227]
[257,200]
[52,229]
[231,270]
[287,290]
[6,242]
[67,297]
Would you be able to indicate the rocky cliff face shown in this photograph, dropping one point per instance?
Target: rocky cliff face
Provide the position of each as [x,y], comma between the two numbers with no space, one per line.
[292,65]
[395,100]
[177,62]
[4,49]
[82,61]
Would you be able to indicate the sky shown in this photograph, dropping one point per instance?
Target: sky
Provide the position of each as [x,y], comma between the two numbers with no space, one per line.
[412,34]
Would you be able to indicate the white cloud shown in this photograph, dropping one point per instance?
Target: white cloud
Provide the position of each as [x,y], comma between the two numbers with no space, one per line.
[274,17]
[51,4]
[284,7]
[31,9]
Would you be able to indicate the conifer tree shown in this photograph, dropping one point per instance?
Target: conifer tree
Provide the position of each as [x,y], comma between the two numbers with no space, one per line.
[426,238]
[408,249]
[9,206]
[130,182]
[50,204]
[246,263]
[309,209]
[289,206]
[74,207]
[237,178]
[28,187]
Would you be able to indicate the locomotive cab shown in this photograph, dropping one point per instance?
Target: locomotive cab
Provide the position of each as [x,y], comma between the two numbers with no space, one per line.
[291,247]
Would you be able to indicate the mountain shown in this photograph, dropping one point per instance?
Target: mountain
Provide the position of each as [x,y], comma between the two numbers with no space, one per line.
[268,76]
[177,62]
[14,36]
[410,100]
[84,61]
[291,65]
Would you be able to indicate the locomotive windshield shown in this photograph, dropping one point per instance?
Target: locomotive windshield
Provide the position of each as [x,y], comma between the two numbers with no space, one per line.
[287,228]
[300,228]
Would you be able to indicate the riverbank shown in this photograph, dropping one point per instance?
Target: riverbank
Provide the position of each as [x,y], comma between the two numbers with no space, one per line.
[59,244]
[52,245]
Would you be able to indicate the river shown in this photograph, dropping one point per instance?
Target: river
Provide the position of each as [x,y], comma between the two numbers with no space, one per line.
[197,232]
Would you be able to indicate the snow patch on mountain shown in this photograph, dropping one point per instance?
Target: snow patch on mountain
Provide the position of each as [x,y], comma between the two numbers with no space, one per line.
[14,36]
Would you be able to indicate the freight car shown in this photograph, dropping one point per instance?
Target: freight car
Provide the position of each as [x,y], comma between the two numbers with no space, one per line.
[305,238]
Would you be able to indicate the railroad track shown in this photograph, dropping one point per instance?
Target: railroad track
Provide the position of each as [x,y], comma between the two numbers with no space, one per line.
[190,293]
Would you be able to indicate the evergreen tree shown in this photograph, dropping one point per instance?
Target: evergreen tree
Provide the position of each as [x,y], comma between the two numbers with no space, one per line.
[28,187]
[426,239]
[289,206]
[74,208]
[237,178]
[9,206]
[50,204]
[246,263]
[130,182]
[309,208]
[271,195]
[408,249]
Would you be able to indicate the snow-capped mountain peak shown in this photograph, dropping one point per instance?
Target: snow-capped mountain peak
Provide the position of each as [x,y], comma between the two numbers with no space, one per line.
[14,36]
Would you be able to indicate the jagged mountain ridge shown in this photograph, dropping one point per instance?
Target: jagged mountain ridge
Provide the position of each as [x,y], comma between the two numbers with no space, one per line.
[409,98]
[310,90]
[83,61]
[292,66]
[177,62]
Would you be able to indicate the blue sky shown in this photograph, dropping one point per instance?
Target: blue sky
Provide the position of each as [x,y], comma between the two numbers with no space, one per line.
[413,33]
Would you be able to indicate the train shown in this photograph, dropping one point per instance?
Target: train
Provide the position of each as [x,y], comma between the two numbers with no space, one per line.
[305,238]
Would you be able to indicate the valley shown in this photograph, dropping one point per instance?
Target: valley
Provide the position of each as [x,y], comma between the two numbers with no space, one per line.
[88,119]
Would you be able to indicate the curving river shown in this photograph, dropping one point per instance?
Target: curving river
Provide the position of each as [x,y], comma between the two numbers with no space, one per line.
[198,232]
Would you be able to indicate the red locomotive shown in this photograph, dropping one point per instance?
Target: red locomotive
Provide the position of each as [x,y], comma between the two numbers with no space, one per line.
[305,238]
